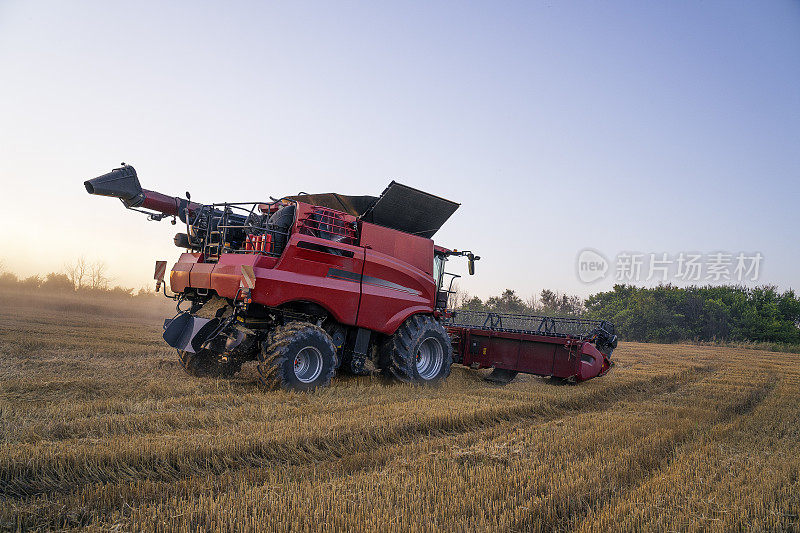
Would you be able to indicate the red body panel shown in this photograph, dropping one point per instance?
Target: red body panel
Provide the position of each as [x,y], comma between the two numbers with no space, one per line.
[412,249]
[227,274]
[179,276]
[200,276]
[391,291]
[323,277]
[593,363]
[533,354]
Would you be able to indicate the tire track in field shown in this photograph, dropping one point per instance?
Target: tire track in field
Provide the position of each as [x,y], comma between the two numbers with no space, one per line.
[54,475]
[729,414]
[662,458]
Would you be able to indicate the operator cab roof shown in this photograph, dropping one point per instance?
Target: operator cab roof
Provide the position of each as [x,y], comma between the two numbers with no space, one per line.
[398,207]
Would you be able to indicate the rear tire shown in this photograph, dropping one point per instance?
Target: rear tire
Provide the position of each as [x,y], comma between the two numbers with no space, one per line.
[298,356]
[418,352]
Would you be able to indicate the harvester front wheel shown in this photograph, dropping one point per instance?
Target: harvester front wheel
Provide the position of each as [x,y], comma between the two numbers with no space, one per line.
[297,356]
[418,352]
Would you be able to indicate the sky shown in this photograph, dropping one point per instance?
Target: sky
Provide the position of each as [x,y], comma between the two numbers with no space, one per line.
[626,128]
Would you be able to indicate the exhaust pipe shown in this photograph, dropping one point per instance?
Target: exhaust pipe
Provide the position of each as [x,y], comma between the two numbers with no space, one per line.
[122,183]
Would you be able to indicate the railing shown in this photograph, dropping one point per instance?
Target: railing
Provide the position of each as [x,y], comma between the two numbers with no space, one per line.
[530,324]
[240,228]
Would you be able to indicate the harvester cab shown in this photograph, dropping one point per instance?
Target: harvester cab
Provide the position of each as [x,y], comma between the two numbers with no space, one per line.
[311,284]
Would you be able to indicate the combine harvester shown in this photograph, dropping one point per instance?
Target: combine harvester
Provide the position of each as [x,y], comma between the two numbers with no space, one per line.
[315,283]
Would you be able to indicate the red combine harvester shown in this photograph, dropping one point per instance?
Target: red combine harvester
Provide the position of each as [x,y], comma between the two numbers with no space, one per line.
[315,283]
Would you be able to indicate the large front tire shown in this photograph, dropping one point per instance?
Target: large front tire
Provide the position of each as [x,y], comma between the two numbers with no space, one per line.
[418,352]
[298,356]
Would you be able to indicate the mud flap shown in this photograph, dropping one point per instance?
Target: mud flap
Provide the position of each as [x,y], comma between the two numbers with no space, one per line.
[188,333]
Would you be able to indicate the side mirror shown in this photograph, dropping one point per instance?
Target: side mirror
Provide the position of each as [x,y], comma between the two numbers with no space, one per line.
[471,258]
[471,262]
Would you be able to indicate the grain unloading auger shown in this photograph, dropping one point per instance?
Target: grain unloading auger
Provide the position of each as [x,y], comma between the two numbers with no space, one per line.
[309,285]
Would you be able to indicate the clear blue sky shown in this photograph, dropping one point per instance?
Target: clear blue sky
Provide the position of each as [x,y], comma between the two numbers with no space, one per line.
[639,126]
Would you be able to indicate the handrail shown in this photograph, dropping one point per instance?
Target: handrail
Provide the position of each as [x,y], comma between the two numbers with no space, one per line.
[215,222]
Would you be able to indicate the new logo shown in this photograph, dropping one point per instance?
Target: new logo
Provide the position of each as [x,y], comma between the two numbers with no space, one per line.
[592,266]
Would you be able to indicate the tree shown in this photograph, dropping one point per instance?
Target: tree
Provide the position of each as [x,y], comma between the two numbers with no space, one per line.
[556,303]
[716,320]
[120,291]
[31,282]
[8,279]
[98,280]
[473,304]
[57,282]
[77,272]
[508,302]
[145,291]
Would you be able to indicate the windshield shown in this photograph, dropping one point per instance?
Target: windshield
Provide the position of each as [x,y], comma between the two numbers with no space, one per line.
[438,270]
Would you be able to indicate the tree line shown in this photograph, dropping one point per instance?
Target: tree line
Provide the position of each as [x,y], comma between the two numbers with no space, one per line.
[547,303]
[667,313]
[82,276]
[711,313]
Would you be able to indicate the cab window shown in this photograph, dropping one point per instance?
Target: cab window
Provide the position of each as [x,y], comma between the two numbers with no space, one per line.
[438,270]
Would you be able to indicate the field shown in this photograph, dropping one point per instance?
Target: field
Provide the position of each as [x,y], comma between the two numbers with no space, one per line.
[100,428]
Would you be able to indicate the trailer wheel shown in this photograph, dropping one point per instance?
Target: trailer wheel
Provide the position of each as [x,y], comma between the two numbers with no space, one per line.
[206,364]
[297,356]
[418,352]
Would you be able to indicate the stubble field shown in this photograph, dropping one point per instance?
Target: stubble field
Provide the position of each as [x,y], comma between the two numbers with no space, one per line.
[100,428]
